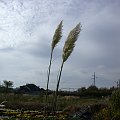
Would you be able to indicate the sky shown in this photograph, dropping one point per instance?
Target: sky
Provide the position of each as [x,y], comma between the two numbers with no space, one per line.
[26,32]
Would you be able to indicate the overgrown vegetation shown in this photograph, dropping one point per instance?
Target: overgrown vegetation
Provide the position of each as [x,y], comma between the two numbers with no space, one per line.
[112,111]
[68,102]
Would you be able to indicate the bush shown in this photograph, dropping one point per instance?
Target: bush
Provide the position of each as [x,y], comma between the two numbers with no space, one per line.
[115,100]
[112,112]
[107,114]
[104,114]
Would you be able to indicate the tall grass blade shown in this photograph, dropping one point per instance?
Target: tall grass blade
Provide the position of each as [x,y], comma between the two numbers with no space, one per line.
[56,38]
[67,50]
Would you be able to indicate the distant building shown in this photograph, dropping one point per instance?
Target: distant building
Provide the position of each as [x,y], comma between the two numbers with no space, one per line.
[30,89]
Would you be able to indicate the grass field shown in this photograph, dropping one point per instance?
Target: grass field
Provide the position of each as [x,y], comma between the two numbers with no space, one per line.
[36,102]
[33,106]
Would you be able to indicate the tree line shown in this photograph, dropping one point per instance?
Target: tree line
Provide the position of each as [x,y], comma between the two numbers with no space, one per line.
[91,91]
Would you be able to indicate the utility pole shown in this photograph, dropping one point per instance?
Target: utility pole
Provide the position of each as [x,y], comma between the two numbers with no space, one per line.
[119,83]
[116,84]
[94,79]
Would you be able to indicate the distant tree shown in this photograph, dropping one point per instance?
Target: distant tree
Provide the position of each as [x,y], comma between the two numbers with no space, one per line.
[82,89]
[1,88]
[92,91]
[92,88]
[7,84]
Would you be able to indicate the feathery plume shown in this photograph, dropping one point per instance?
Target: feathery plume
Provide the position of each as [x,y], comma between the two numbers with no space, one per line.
[70,42]
[57,36]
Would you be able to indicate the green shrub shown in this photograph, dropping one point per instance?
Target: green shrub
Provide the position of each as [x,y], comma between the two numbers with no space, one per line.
[104,114]
[112,112]
[115,100]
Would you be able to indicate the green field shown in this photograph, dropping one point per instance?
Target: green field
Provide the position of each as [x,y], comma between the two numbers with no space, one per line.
[32,107]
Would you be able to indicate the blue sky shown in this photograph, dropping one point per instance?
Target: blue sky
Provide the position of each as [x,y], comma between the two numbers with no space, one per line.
[26,31]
